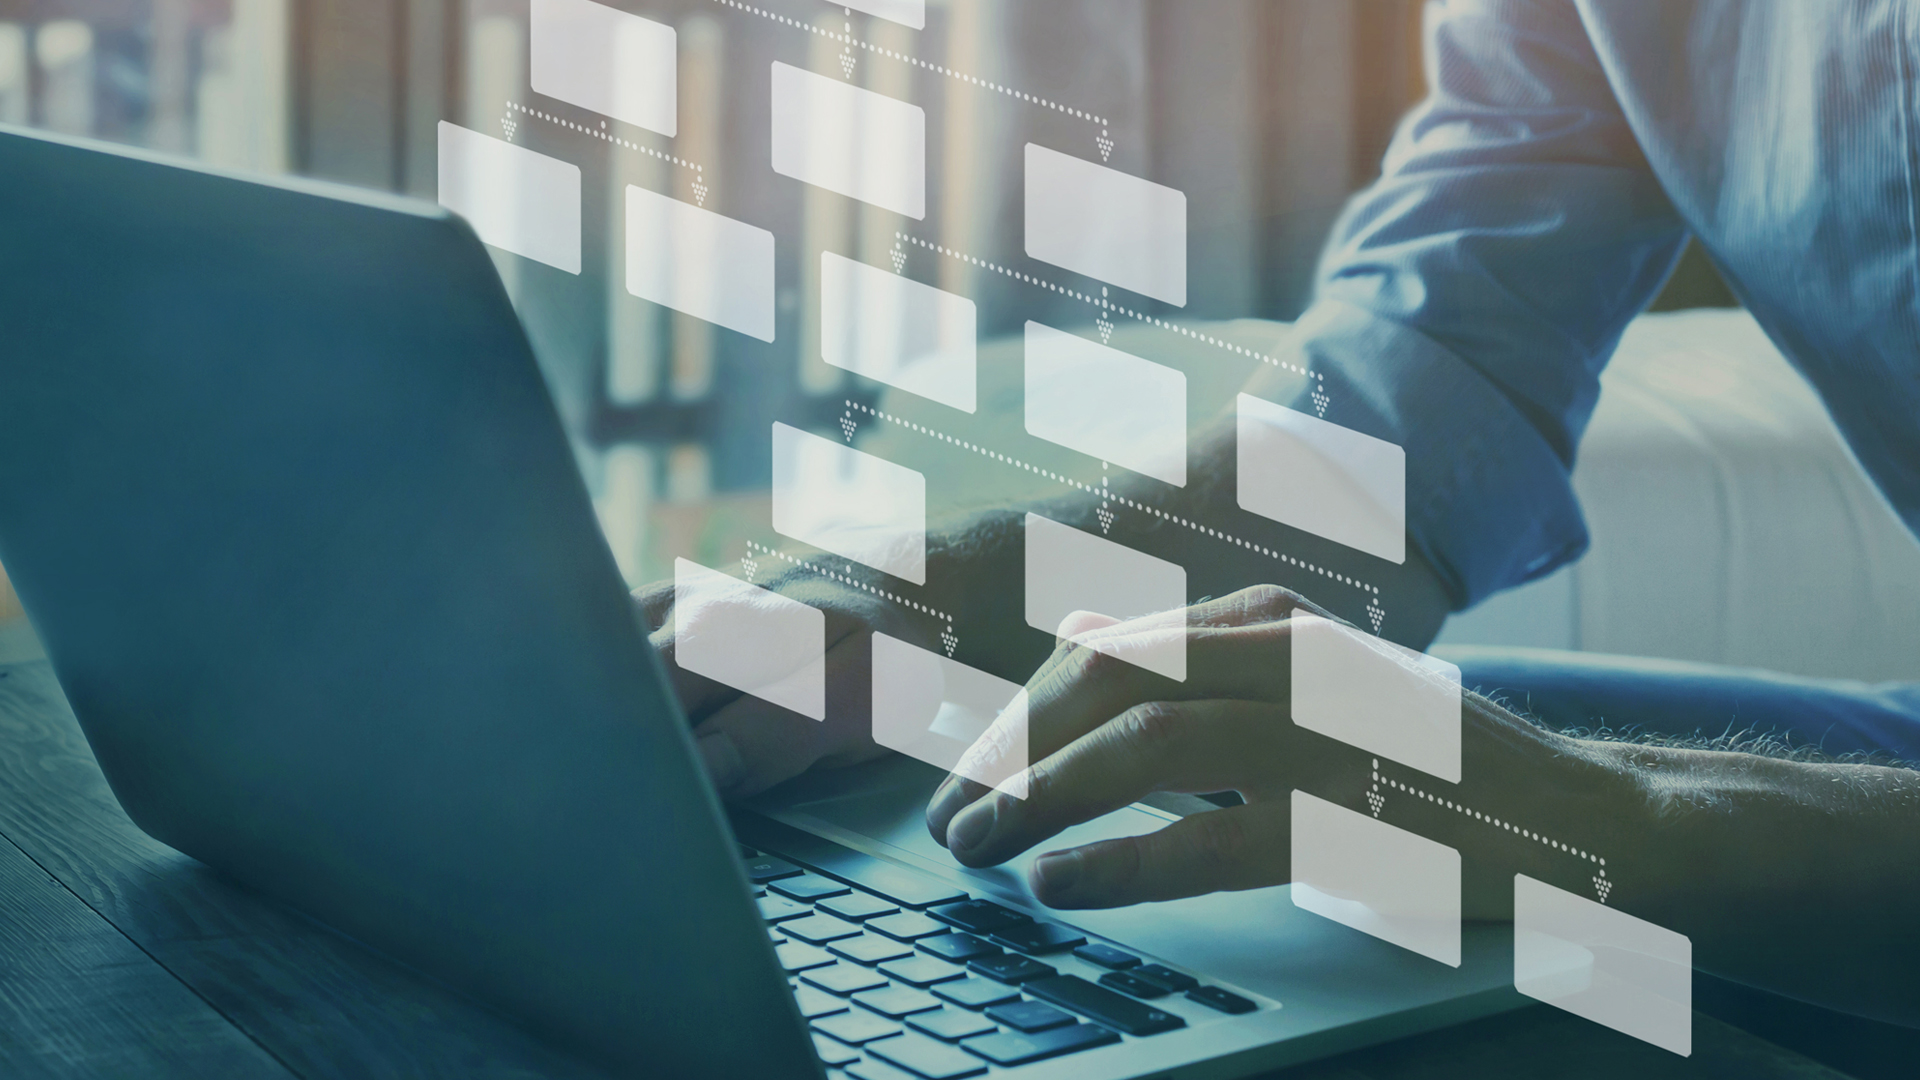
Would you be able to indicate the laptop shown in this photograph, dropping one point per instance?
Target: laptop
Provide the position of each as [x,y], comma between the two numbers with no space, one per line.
[290,507]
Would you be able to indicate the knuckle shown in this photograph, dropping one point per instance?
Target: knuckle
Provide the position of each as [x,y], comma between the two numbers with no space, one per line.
[1267,599]
[1149,729]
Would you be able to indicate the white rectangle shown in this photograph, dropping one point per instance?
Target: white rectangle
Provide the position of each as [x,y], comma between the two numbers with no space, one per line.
[896,330]
[1605,965]
[602,58]
[1106,224]
[515,199]
[855,505]
[949,715]
[1069,570]
[750,638]
[696,261]
[1330,480]
[1375,695]
[1111,404]
[1380,880]
[838,136]
[905,12]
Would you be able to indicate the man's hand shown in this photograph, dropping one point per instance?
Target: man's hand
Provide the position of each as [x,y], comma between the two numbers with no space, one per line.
[1106,732]
[749,745]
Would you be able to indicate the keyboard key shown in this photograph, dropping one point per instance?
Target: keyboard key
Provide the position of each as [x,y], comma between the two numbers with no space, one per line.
[795,956]
[856,1026]
[976,993]
[903,887]
[1106,956]
[1126,983]
[951,1024]
[775,936]
[959,948]
[816,1003]
[1040,938]
[1029,1016]
[834,1054]
[819,929]
[775,908]
[897,1001]
[1173,980]
[981,917]
[927,1057]
[870,949]
[1010,969]
[907,926]
[1223,1000]
[746,852]
[1101,1005]
[857,906]
[767,868]
[843,979]
[808,887]
[873,1069]
[922,971]
[1013,1048]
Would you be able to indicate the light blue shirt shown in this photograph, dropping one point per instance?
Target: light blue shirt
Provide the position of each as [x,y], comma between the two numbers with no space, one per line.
[1538,198]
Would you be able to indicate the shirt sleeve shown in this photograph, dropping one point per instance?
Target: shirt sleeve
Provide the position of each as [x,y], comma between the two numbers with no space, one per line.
[1467,301]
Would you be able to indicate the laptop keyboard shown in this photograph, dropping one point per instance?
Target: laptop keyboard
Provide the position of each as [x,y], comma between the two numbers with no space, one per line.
[902,977]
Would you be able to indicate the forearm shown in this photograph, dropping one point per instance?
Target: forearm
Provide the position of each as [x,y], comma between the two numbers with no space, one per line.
[1796,877]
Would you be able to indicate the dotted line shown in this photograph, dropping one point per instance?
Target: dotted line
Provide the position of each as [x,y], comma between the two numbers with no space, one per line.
[615,139]
[974,80]
[844,579]
[1101,301]
[1497,823]
[1104,493]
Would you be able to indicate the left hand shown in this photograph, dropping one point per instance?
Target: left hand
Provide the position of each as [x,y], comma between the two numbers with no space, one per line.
[1105,733]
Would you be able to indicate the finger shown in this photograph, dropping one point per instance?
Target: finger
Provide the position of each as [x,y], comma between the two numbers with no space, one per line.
[1235,648]
[1160,746]
[1244,847]
[749,745]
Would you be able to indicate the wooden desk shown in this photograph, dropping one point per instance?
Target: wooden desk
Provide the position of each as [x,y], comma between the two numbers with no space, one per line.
[121,957]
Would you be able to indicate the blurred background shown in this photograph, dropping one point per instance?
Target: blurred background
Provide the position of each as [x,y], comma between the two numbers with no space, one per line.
[1711,477]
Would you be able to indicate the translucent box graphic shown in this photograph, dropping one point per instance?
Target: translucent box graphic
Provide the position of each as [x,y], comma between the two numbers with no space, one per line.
[1069,570]
[1380,880]
[1375,695]
[515,199]
[905,12]
[898,331]
[1605,965]
[854,504]
[602,58]
[849,140]
[1330,480]
[1106,224]
[749,638]
[699,262]
[949,715]
[1110,404]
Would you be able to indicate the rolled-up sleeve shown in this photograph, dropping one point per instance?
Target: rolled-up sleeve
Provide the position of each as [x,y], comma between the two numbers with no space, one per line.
[1467,302]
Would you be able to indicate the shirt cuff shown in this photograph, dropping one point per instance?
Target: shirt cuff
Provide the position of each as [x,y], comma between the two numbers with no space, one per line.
[1489,503]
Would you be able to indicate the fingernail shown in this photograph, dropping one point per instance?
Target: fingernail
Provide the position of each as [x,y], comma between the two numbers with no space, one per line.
[1055,875]
[972,827]
[722,759]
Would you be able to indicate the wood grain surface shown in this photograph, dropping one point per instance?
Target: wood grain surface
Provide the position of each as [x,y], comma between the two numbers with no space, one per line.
[320,1003]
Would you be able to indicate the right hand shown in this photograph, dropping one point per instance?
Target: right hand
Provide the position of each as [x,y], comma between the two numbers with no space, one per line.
[749,745]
